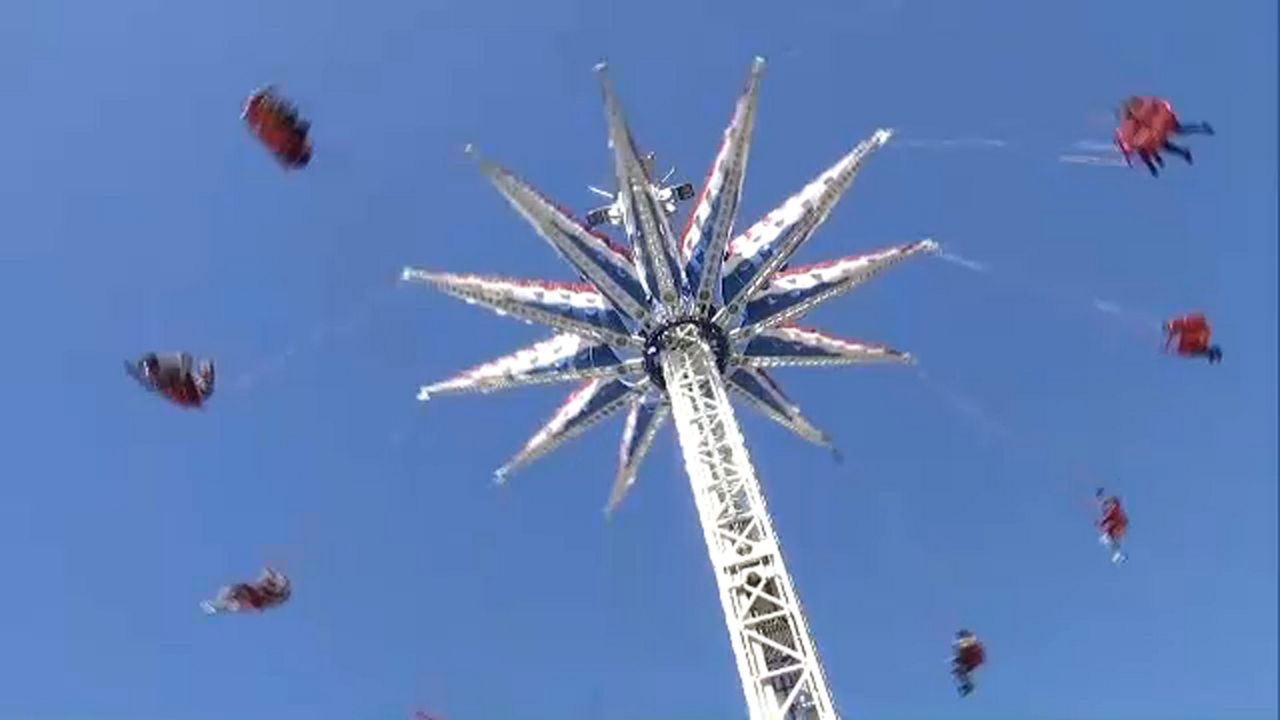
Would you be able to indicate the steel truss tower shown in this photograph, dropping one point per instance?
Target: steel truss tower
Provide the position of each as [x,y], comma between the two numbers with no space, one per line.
[777,660]
[666,327]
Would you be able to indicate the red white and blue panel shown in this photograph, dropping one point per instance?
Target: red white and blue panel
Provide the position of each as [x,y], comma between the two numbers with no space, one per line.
[568,307]
[791,346]
[652,244]
[645,418]
[589,404]
[562,358]
[706,233]
[764,247]
[601,262]
[766,396]
[792,293]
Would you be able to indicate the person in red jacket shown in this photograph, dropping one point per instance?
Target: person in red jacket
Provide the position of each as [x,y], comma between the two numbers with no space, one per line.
[271,589]
[1146,124]
[172,376]
[1113,523]
[968,655]
[277,125]
[1192,333]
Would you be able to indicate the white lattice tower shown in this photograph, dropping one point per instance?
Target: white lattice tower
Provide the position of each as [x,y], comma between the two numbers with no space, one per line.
[707,311]
[777,660]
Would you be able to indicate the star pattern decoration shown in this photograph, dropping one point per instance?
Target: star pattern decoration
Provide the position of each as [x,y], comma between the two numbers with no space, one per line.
[739,288]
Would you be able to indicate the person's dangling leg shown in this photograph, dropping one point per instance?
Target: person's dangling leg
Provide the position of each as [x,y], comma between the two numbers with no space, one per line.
[1178,150]
[220,602]
[1201,128]
[1146,160]
[963,682]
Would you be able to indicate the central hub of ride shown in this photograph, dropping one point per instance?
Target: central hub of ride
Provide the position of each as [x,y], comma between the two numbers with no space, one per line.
[655,343]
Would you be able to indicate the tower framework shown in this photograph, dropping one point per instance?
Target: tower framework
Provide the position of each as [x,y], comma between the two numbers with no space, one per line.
[777,661]
[665,328]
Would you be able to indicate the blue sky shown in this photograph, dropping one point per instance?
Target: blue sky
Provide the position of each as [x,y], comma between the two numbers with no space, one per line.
[139,214]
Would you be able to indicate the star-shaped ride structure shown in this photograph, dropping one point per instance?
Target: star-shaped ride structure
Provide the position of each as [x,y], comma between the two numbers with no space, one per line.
[661,327]
[736,287]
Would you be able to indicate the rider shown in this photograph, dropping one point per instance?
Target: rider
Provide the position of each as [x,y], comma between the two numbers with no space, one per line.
[1193,333]
[1148,105]
[279,126]
[1134,139]
[1113,523]
[171,375]
[269,590]
[267,101]
[1146,123]
[968,655]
